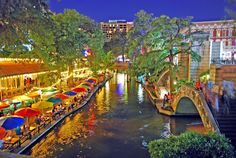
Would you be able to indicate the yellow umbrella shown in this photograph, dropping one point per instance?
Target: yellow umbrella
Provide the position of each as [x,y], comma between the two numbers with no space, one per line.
[42,105]
[21,98]
[83,86]
[34,94]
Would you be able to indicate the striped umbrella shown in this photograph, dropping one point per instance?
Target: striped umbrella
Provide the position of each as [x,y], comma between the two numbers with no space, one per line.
[11,122]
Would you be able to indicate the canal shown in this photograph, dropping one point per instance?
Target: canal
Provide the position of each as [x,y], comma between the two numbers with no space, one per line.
[118,122]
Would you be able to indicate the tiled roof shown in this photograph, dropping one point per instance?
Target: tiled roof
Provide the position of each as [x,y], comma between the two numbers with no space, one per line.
[10,69]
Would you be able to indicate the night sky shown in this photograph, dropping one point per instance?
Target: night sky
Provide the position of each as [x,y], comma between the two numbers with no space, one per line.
[103,10]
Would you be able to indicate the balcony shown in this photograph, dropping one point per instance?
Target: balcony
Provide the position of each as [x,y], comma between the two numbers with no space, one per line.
[229,48]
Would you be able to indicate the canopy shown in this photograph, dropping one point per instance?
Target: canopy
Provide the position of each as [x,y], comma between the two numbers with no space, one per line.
[70,93]
[34,94]
[11,122]
[50,89]
[90,81]
[27,112]
[79,89]
[93,79]
[3,105]
[42,105]
[84,86]
[2,132]
[61,96]
[21,98]
[54,100]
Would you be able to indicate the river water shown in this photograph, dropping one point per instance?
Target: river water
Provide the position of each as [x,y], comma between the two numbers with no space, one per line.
[117,123]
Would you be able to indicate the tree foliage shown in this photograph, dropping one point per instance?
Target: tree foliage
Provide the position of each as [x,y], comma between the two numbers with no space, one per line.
[192,145]
[164,38]
[136,36]
[29,30]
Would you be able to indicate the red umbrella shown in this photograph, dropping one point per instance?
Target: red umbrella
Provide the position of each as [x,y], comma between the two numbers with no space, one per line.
[3,105]
[27,112]
[2,132]
[79,89]
[61,96]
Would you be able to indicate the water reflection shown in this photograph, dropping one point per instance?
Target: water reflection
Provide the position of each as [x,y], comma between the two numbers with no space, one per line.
[112,125]
[140,93]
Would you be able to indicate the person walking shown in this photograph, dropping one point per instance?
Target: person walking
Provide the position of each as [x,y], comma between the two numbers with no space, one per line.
[226,104]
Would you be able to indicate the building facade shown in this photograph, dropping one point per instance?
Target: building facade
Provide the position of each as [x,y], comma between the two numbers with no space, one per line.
[222,40]
[112,26]
[218,52]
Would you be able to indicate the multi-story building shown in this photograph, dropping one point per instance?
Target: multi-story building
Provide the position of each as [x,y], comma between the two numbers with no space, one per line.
[218,52]
[112,26]
[222,39]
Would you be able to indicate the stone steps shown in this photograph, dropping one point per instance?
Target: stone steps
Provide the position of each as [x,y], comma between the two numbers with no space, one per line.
[227,122]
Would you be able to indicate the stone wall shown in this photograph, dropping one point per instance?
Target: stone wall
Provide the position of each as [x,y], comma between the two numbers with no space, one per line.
[225,72]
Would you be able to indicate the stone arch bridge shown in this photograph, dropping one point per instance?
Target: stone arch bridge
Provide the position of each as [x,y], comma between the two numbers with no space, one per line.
[189,100]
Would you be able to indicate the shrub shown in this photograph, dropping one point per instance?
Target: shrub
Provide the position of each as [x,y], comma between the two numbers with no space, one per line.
[191,144]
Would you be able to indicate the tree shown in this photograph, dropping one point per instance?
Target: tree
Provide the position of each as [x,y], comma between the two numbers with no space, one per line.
[171,37]
[166,38]
[20,21]
[136,36]
[117,44]
[73,33]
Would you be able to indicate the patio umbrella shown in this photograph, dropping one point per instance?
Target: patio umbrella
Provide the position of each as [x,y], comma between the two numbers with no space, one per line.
[90,81]
[42,105]
[79,89]
[21,98]
[93,79]
[54,100]
[85,84]
[11,122]
[2,132]
[49,90]
[27,112]
[3,105]
[70,93]
[61,96]
[34,94]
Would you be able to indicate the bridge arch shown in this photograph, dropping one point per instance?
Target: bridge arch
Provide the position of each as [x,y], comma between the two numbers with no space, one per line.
[200,104]
[186,106]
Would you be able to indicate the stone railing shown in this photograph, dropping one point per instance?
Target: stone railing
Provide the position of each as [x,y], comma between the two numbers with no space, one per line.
[199,101]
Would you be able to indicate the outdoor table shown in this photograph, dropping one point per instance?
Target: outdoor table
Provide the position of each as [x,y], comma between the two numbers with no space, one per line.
[32,130]
[12,142]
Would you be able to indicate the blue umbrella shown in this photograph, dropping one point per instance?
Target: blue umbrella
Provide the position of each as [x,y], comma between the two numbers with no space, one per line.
[11,122]
[70,93]
[54,100]
[90,81]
